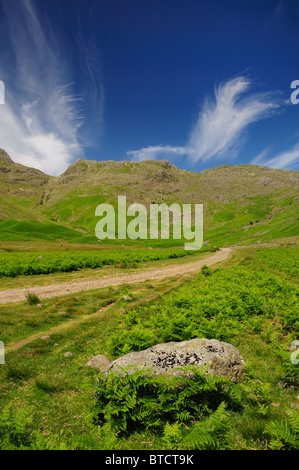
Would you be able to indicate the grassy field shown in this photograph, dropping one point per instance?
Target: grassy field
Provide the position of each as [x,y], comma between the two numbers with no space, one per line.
[22,264]
[47,394]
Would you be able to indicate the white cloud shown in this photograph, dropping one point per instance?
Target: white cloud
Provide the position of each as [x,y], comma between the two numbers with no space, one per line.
[45,151]
[40,122]
[260,157]
[153,152]
[219,130]
[284,160]
[221,123]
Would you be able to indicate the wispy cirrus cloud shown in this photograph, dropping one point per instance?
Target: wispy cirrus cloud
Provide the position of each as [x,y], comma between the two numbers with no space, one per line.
[283,160]
[40,122]
[221,123]
[153,152]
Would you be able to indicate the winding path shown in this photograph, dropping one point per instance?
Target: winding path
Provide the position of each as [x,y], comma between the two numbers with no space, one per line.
[56,290]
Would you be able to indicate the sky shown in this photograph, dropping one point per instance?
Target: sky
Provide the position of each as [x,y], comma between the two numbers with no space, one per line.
[199,83]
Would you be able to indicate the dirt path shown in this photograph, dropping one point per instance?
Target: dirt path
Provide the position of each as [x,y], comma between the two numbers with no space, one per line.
[56,290]
[54,329]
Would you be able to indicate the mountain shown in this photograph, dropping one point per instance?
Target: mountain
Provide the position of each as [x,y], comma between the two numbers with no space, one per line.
[242,203]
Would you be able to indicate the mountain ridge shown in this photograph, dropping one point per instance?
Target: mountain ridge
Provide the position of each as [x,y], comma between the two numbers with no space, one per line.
[238,199]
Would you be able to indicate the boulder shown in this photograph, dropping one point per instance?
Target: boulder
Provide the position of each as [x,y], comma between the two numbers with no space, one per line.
[218,357]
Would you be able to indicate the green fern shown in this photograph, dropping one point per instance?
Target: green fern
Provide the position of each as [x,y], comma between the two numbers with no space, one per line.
[139,400]
[284,435]
[172,436]
[294,421]
[211,433]
[14,428]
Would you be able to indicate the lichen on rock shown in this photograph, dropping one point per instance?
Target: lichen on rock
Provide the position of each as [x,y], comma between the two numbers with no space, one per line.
[214,356]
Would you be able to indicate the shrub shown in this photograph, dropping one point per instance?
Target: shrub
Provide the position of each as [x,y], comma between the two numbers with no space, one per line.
[139,400]
[206,271]
[32,299]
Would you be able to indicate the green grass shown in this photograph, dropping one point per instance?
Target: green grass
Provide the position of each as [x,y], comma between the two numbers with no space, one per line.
[262,217]
[47,398]
[281,259]
[27,321]
[25,230]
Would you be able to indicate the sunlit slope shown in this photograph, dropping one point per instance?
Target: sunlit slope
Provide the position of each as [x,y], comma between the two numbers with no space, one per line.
[241,203]
[21,190]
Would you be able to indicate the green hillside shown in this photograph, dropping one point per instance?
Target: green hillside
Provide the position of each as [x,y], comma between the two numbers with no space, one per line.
[242,204]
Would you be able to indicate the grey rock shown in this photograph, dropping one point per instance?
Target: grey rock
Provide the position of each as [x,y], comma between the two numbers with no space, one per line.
[100,362]
[220,358]
[68,354]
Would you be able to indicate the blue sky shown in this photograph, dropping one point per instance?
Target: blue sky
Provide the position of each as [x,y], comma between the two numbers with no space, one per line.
[197,82]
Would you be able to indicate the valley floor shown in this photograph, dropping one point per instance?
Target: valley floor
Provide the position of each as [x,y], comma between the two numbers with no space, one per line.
[247,296]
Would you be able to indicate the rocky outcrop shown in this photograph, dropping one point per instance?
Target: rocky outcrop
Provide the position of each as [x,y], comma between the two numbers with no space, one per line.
[4,157]
[168,358]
